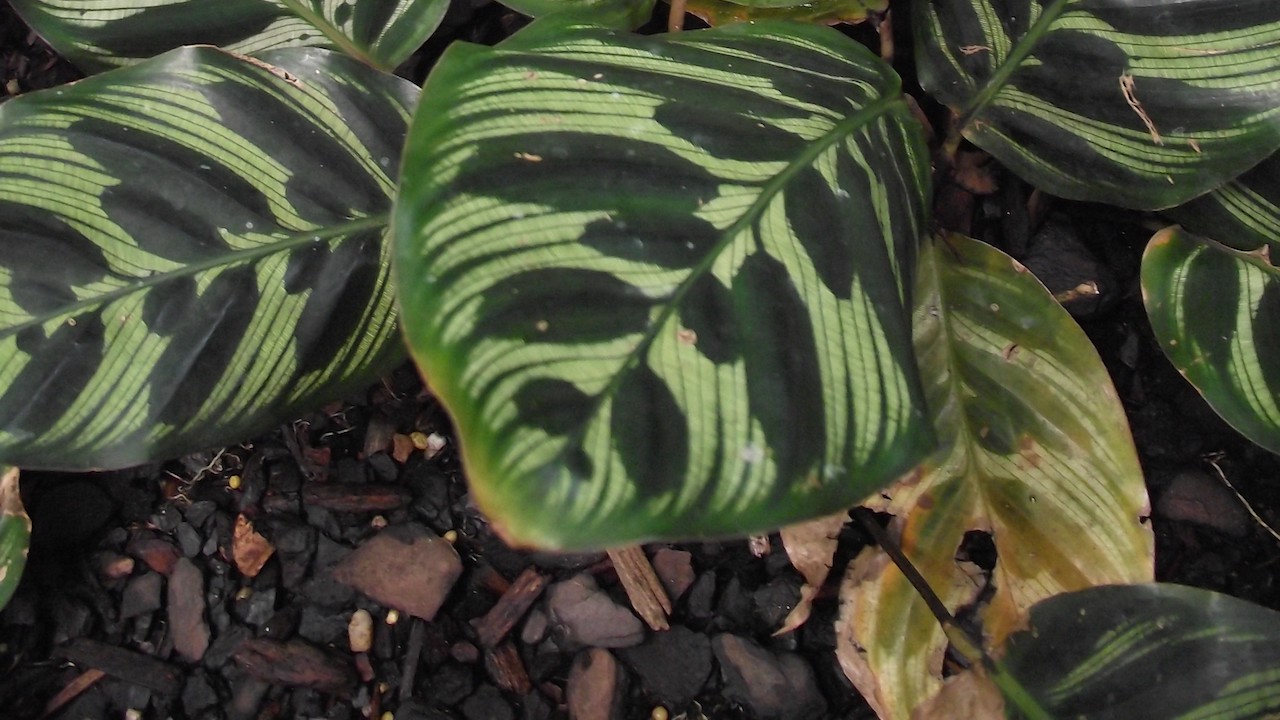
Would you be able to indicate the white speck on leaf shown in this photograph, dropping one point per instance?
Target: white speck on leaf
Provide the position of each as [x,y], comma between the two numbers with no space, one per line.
[752,454]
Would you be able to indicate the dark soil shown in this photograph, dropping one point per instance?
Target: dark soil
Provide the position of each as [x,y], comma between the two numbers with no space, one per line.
[104,574]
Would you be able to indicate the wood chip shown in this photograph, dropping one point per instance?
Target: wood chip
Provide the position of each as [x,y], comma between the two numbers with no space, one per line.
[127,665]
[648,596]
[507,670]
[350,497]
[72,690]
[514,603]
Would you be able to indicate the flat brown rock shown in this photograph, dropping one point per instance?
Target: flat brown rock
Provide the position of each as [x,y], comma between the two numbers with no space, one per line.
[596,685]
[406,567]
[186,611]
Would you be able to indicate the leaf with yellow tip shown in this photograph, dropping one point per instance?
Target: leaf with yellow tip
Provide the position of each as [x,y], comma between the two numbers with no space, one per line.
[1034,449]
[15,534]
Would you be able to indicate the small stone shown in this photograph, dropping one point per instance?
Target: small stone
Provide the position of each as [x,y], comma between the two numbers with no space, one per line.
[773,601]
[406,567]
[198,694]
[113,566]
[141,595]
[673,666]
[535,627]
[701,602]
[360,631]
[157,553]
[186,611]
[769,686]
[596,686]
[257,607]
[487,703]
[188,539]
[1196,497]
[589,617]
[675,569]
[464,652]
[200,511]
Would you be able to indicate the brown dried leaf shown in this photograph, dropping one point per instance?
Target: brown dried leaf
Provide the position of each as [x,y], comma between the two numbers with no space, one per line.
[811,546]
[249,549]
[969,695]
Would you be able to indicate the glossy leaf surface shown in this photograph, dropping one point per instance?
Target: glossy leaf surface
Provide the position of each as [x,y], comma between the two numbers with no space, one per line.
[15,534]
[722,12]
[100,34]
[1152,651]
[662,283]
[192,251]
[1035,450]
[1216,313]
[1141,104]
[1243,214]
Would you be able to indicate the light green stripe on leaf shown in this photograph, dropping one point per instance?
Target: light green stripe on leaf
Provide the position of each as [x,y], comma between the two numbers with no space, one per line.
[1201,655]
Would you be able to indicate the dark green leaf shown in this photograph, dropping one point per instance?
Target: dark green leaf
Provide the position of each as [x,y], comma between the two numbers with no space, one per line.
[1141,104]
[621,14]
[663,283]
[1216,313]
[1149,651]
[191,250]
[100,34]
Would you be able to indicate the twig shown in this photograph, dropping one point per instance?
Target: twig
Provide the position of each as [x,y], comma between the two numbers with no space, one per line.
[643,587]
[1213,462]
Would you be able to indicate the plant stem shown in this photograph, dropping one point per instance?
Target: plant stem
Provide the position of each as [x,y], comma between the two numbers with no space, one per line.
[969,649]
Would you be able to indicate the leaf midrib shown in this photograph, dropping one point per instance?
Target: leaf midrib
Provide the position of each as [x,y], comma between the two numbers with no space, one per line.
[769,191]
[1021,50]
[236,257]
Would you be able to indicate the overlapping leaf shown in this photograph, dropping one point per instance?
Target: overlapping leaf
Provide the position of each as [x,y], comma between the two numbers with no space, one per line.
[100,34]
[1243,214]
[721,12]
[191,249]
[1216,313]
[1035,450]
[1149,651]
[1140,104]
[662,283]
[15,534]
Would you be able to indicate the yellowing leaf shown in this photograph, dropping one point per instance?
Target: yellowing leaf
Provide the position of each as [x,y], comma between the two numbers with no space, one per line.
[1034,449]
[830,12]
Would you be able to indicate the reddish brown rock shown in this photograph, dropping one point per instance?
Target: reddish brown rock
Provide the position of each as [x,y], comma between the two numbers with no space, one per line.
[596,686]
[406,567]
[186,611]
[675,569]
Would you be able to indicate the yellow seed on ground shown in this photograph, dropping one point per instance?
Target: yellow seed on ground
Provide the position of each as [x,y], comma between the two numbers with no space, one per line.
[451,537]
[360,631]
[233,482]
[387,716]
[419,440]
[659,713]
[393,616]
[378,522]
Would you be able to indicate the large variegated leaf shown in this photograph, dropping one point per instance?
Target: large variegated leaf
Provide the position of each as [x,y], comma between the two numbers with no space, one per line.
[1035,450]
[1141,104]
[15,534]
[1149,651]
[722,12]
[1216,313]
[1244,213]
[191,249]
[662,283]
[100,34]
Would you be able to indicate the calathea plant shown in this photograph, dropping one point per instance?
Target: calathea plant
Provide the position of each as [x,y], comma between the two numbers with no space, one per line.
[671,286]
